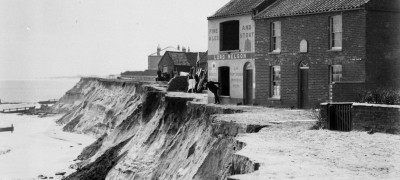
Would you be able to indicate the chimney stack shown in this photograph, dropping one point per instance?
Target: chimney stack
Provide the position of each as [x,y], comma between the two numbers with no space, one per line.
[188,49]
[158,50]
[178,48]
[183,49]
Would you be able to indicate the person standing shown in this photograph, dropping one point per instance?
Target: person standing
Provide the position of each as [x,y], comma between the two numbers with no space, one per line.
[211,85]
[191,82]
[197,79]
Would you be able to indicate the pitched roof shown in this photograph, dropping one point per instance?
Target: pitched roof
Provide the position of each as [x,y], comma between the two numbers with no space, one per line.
[236,7]
[299,7]
[184,58]
[169,48]
[204,58]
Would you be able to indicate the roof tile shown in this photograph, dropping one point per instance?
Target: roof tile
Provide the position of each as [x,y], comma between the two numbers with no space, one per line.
[184,58]
[236,7]
[298,7]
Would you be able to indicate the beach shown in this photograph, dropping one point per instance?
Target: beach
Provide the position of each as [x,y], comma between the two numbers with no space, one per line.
[38,146]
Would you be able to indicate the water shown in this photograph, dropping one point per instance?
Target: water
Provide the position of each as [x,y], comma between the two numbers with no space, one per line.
[34,90]
[38,146]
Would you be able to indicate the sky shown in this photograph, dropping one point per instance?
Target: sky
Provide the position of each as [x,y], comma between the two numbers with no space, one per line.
[56,38]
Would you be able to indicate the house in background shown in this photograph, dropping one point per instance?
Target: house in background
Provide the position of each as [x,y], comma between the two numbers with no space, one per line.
[231,47]
[154,58]
[175,62]
[312,51]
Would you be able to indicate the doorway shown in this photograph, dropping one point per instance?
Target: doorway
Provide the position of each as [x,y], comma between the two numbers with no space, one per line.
[248,84]
[224,79]
[303,85]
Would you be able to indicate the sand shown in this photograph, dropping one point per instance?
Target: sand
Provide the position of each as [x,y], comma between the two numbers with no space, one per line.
[37,147]
[298,153]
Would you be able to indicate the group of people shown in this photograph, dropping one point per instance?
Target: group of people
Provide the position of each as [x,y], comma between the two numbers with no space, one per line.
[198,82]
[162,76]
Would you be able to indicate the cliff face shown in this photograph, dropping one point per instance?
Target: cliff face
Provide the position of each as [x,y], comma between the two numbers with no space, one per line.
[146,133]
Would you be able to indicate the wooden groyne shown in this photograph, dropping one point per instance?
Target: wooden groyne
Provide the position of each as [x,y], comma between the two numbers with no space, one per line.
[5,129]
[18,110]
[51,101]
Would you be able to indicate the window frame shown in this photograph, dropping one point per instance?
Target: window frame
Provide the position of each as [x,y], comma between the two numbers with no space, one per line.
[223,35]
[165,69]
[275,82]
[335,73]
[336,32]
[276,38]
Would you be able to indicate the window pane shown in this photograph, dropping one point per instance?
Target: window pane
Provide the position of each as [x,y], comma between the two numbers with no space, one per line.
[278,44]
[337,23]
[336,73]
[338,40]
[273,30]
[336,31]
[277,29]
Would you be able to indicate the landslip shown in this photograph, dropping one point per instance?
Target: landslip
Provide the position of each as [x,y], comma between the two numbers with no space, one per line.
[145,132]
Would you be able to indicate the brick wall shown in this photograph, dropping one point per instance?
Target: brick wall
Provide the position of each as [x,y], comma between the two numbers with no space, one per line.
[383,48]
[315,29]
[346,92]
[381,118]
[376,117]
[166,61]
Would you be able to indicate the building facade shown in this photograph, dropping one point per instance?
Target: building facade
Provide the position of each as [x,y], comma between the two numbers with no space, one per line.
[312,51]
[175,62]
[231,48]
[154,58]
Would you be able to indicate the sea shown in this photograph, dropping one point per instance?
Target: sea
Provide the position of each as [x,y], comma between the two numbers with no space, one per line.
[37,147]
[34,90]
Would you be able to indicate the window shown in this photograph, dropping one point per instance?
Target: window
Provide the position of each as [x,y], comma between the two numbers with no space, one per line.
[336,73]
[276,36]
[165,69]
[336,32]
[275,81]
[229,35]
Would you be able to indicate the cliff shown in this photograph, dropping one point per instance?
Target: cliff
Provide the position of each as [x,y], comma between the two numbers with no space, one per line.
[147,133]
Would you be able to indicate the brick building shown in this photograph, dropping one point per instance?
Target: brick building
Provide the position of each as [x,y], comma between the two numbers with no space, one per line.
[312,51]
[154,58]
[174,62]
[231,50]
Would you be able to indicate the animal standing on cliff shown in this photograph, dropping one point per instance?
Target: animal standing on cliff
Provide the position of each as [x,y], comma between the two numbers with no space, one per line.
[211,85]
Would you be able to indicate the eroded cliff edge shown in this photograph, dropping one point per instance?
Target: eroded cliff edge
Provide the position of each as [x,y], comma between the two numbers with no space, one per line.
[147,133]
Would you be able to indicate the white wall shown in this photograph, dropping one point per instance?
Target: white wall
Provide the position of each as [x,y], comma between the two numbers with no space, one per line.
[236,60]
[247,32]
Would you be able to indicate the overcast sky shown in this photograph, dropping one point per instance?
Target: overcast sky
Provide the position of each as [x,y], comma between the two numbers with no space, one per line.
[47,38]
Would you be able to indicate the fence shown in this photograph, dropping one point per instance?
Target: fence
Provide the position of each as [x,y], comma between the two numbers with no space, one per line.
[339,116]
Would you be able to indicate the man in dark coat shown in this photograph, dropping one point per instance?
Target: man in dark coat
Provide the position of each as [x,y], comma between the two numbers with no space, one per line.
[211,85]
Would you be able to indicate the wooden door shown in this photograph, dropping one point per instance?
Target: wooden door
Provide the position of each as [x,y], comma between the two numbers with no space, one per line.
[249,87]
[303,87]
[224,80]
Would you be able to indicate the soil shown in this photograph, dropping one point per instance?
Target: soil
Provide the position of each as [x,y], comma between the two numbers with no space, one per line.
[297,153]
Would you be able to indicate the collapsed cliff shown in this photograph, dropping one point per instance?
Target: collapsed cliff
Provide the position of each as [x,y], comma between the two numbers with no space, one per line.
[147,133]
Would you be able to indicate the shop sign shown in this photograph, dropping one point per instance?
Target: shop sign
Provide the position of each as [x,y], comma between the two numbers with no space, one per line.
[231,56]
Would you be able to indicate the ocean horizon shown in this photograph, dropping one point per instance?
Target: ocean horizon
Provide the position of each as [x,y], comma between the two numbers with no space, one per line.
[34,90]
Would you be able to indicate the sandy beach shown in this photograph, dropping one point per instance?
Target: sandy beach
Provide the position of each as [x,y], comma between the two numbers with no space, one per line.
[37,146]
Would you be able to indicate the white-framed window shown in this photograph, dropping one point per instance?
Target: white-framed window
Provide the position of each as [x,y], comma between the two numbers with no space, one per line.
[165,69]
[276,36]
[336,32]
[275,81]
[336,73]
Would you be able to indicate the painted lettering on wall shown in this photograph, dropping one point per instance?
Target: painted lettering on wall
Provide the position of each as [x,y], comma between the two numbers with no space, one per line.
[356,59]
[226,56]
[236,77]
[247,33]
[213,35]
